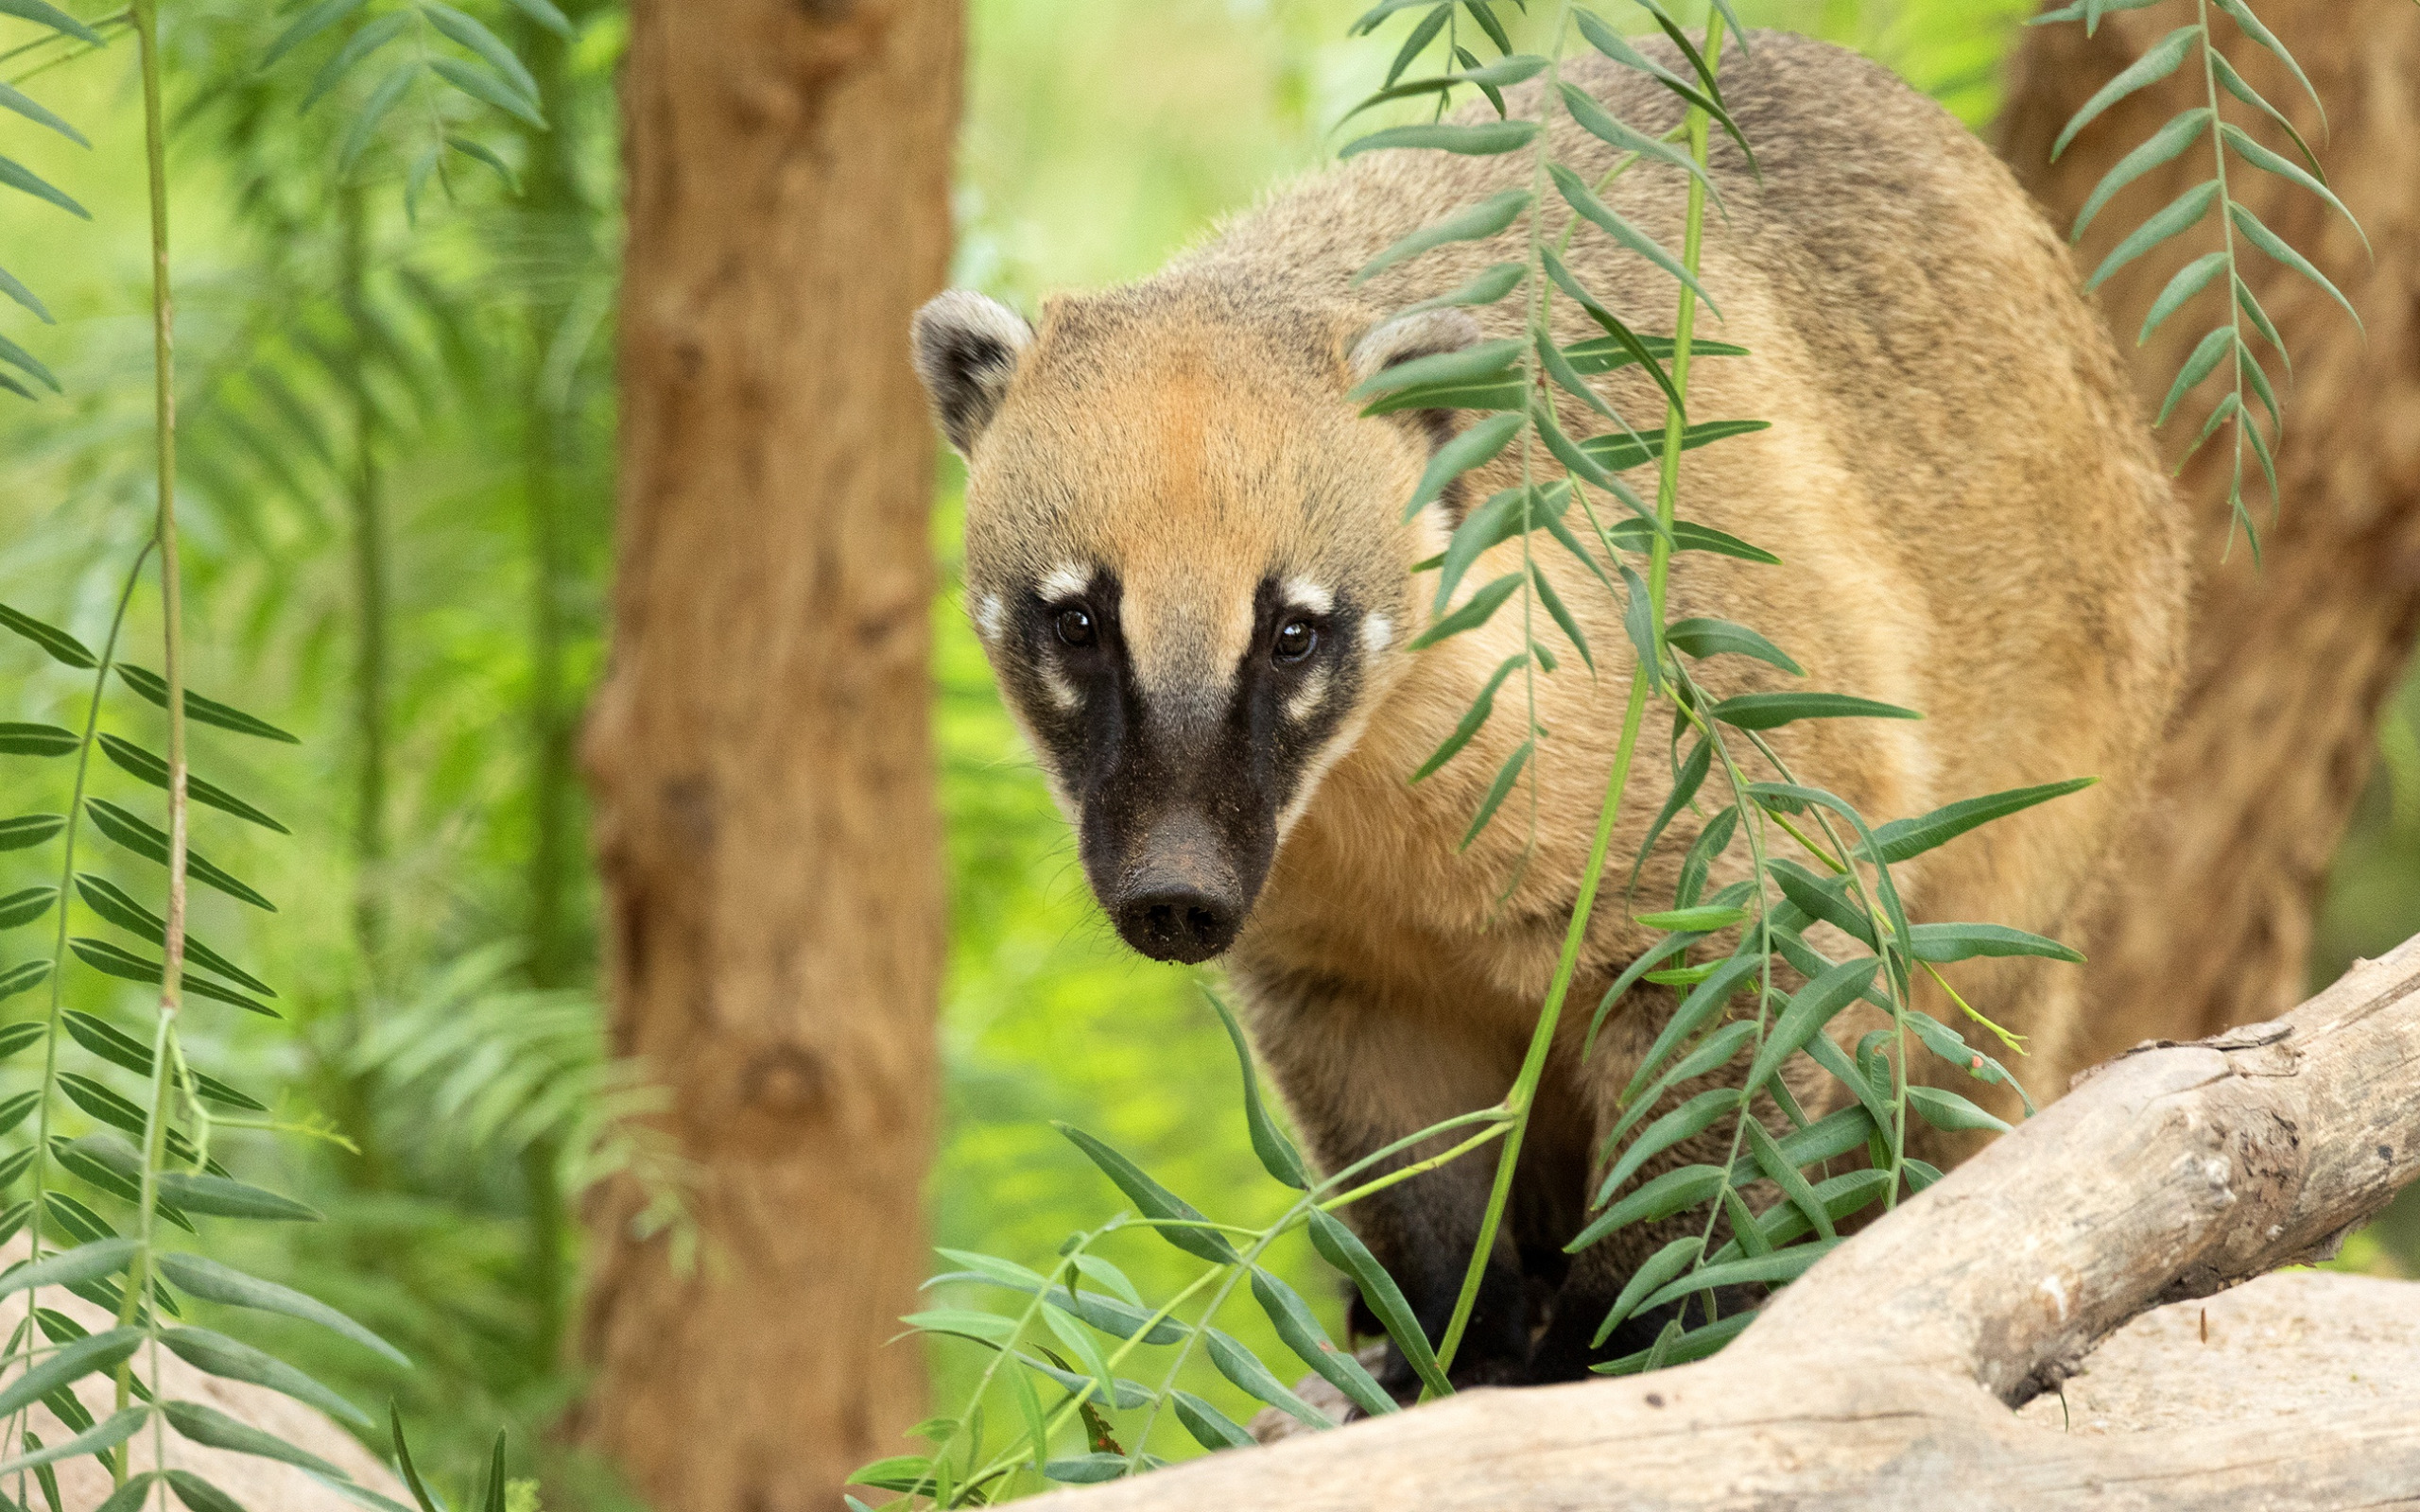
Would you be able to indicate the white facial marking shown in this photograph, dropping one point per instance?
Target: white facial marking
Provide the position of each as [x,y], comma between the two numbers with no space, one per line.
[1303,593]
[987,617]
[1307,699]
[1063,693]
[1378,633]
[1065,581]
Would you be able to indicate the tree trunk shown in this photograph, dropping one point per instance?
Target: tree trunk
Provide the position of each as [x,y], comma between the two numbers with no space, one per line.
[1882,1379]
[2293,660]
[759,751]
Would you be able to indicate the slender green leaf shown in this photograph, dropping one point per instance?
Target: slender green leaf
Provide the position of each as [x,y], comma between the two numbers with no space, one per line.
[2166,146]
[1561,616]
[2163,59]
[29,829]
[363,43]
[1599,122]
[2241,15]
[1340,1247]
[1483,361]
[1673,1191]
[1779,1267]
[1964,942]
[146,841]
[41,13]
[1244,1369]
[1506,776]
[1620,453]
[102,1352]
[209,1426]
[1292,1317]
[114,960]
[467,31]
[1476,611]
[482,84]
[1809,1009]
[2190,280]
[1483,139]
[1779,1169]
[13,99]
[119,907]
[308,26]
[1154,1200]
[2278,248]
[17,291]
[2219,343]
[111,1431]
[36,740]
[1487,218]
[204,711]
[1210,1427]
[2234,83]
[1619,347]
[129,1498]
[1905,839]
[1583,199]
[22,907]
[545,13]
[140,763]
[1473,718]
[1662,1267]
[1704,637]
[382,98]
[1492,285]
[1087,1470]
[481,152]
[1685,1121]
[2182,214]
[218,1355]
[85,1263]
[1771,710]
[1948,1110]
[1472,448]
[61,646]
[213,1282]
[17,176]
[1277,1154]
[23,977]
[225,1198]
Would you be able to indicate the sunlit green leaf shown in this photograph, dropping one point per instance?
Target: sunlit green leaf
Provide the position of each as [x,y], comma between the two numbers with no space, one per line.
[1695,1011]
[17,176]
[382,98]
[1600,123]
[41,13]
[109,1433]
[17,291]
[1768,1270]
[29,829]
[1963,942]
[1492,285]
[119,907]
[1483,139]
[1484,360]
[225,1198]
[1673,1191]
[1210,1427]
[102,1352]
[308,26]
[2283,251]
[1577,194]
[1704,637]
[1473,718]
[218,1355]
[469,33]
[22,907]
[13,99]
[1618,453]
[213,1282]
[2190,280]
[1685,1121]
[2255,28]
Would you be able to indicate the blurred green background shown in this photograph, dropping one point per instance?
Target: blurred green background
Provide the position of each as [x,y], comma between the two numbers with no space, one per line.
[439,987]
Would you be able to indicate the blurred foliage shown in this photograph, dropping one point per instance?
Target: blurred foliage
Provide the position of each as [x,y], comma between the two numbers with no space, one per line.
[1101,136]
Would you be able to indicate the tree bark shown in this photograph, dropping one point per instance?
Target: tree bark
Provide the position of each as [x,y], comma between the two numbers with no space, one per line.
[759,751]
[1884,1377]
[2291,660]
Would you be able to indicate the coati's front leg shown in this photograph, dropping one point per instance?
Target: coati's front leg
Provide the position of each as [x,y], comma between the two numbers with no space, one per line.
[1360,1072]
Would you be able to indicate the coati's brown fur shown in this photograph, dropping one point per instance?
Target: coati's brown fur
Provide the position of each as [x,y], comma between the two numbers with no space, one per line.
[1973,524]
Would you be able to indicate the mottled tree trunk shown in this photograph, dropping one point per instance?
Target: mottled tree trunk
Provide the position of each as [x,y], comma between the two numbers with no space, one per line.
[759,751]
[2210,921]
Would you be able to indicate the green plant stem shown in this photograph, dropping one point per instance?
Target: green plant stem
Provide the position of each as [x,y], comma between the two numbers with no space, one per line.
[1523,1097]
[147,31]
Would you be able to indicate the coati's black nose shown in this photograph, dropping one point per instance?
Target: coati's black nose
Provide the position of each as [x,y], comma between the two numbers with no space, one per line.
[1178,923]
[1177,898]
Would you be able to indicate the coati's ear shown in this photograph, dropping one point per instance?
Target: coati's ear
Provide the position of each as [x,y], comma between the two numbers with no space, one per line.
[967,348]
[1425,334]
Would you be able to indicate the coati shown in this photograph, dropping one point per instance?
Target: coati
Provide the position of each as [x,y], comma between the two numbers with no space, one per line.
[1186,560]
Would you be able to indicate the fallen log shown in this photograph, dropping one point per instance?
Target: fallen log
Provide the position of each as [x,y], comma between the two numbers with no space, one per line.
[1886,1377]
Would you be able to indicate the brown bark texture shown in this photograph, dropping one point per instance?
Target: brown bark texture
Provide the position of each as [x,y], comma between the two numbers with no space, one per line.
[760,751]
[2209,918]
[1883,1379]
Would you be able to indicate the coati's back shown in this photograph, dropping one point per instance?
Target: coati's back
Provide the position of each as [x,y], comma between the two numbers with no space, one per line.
[1187,562]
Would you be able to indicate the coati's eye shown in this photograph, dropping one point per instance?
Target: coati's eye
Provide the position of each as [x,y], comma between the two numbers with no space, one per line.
[1297,639]
[1075,627]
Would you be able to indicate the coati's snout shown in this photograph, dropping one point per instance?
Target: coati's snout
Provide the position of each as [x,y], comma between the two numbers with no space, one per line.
[1178,896]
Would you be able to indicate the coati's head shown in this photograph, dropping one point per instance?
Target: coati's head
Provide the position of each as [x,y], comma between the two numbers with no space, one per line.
[1186,558]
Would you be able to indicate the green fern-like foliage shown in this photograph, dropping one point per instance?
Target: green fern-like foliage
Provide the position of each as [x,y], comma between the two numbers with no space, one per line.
[2231,348]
